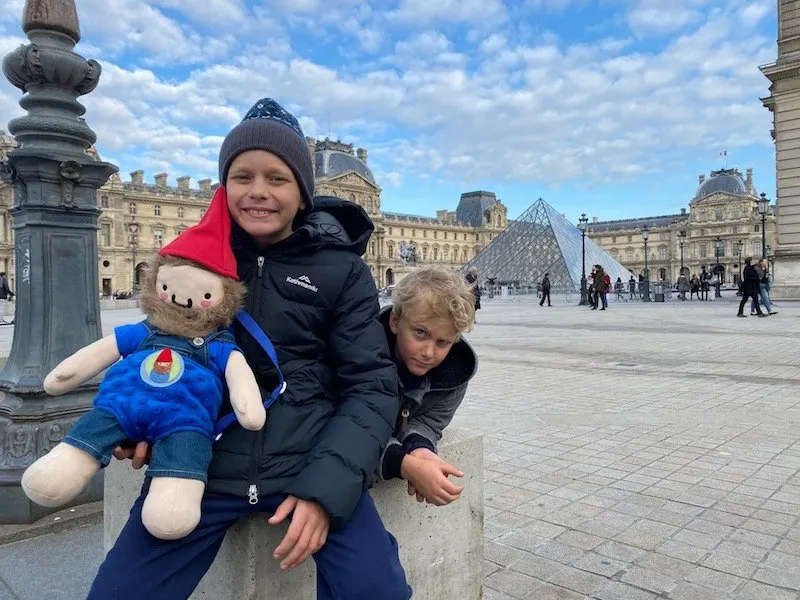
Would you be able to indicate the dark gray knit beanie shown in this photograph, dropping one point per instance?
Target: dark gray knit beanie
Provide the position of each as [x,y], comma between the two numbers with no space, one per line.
[268,126]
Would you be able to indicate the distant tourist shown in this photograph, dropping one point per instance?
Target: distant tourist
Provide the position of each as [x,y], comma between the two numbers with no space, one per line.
[472,279]
[683,286]
[602,282]
[762,268]
[6,295]
[545,290]
[705,283]
[619,288]
[694,286]
[750,288]
[632,287]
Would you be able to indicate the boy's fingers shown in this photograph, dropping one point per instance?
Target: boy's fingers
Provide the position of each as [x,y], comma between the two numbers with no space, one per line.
[140,457]
[121,453]
[290,539]
[284,510]
[448,469]
[299,551]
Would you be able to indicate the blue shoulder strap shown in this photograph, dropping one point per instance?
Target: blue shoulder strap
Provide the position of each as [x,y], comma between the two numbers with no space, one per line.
[255,330]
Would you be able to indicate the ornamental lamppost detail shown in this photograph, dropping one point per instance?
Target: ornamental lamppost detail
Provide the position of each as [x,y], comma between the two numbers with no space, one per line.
[55,217]
[682,244]
[583,223]
[763,209]
[719,246]
[645,236]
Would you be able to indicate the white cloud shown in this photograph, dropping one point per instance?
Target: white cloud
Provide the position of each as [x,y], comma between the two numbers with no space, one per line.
[427,107]
[422,12]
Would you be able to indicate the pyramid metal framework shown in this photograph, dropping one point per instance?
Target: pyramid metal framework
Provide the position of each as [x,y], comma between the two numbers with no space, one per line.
[542,241]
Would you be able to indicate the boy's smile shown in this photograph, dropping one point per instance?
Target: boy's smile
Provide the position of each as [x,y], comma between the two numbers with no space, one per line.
[422,344]
[263,196]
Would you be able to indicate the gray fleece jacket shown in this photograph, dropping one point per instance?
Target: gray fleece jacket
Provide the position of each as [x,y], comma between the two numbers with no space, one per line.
[428,408]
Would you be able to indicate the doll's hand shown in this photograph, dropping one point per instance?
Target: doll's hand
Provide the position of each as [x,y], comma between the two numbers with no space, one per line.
[140,454]
[307,532]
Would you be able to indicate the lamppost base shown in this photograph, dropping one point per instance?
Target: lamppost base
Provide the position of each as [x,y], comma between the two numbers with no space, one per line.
[646,295]
[584,293]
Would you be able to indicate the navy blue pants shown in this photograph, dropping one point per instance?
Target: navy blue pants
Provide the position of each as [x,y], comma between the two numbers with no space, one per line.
[359,562]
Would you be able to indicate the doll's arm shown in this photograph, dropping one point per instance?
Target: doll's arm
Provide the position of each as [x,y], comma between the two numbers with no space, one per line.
[244,392]
[82,366]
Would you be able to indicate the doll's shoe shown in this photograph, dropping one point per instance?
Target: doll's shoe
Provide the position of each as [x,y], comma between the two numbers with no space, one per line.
[172,507]
[59,475]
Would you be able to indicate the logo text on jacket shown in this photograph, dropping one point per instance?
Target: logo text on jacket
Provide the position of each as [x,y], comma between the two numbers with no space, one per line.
[303,281]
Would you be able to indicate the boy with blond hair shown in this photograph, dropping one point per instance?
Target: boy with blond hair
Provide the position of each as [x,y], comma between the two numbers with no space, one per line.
[432,308]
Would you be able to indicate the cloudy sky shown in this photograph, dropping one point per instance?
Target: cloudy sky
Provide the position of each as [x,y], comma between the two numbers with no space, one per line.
[609,107]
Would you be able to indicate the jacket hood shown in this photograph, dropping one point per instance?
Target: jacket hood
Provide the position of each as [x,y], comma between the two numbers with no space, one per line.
[335,222]
[332,223]
[456,369]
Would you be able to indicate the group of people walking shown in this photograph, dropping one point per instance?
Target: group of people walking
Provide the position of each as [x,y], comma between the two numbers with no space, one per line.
[755,287]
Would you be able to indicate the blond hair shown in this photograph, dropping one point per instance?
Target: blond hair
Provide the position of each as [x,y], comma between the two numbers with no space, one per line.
[435,292]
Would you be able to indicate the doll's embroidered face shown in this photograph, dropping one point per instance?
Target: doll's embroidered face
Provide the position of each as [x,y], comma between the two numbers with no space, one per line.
[214,299]
[189,287]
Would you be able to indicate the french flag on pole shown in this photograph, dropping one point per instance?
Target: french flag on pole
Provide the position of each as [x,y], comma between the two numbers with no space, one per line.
[723,153]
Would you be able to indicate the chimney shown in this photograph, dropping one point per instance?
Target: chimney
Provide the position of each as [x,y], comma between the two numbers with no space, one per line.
[205,185]
[183,183]
[595,219]
[161,180]
[701,179]
[137,177]
[362,155]
[683,211]
[749,180]
[312,148]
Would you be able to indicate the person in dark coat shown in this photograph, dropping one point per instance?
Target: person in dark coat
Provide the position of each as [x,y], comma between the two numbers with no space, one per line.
[545,290]
[317,455]
[750,288]
[472,279]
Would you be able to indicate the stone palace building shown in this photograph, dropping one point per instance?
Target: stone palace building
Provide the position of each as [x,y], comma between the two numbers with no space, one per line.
[138,218]
[722,213]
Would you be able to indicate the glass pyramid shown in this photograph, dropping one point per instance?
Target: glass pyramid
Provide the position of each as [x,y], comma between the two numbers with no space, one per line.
[542,241]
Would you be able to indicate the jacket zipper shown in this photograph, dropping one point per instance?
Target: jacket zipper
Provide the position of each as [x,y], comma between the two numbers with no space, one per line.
[255,454]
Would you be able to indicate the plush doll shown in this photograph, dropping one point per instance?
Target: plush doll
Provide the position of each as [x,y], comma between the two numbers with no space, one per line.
[167,388]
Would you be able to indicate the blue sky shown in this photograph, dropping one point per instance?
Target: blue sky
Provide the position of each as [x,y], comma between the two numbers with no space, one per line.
[609,107]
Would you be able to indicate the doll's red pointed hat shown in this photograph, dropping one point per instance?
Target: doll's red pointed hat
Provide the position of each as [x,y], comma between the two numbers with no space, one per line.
[209,242]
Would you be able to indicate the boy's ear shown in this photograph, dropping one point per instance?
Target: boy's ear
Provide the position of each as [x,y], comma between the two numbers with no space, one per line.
[393,322]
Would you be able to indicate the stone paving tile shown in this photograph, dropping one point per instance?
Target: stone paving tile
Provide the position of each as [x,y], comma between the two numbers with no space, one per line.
[753,590]
[616,590]
[707,485]
[510,582]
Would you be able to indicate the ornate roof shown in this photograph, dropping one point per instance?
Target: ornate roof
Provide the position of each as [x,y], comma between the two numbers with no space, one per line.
[332,159]
[726,181]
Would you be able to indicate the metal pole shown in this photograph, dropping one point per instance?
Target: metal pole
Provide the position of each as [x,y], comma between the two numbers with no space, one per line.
[584,292]
[764,235]
[55,217]
[717,293]
[646,297]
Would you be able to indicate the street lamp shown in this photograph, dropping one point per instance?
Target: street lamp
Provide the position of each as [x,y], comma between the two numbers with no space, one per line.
[133,242]
[682,244]
[583,223]
[763,209]
[769,259]
[739,248]
[645,235]
[718,245]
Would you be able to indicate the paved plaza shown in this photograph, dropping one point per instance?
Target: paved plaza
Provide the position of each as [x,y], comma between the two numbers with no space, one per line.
[648,451]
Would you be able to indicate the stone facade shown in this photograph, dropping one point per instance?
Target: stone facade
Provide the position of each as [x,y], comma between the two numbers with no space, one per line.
[784,103]
[723,207]
[138,218]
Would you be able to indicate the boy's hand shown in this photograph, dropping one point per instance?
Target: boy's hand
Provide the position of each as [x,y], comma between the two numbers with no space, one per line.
[427,454]
[307,532]
[140,454]
[428,479]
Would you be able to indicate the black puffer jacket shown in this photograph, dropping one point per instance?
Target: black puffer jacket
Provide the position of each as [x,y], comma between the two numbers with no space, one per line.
[315,298]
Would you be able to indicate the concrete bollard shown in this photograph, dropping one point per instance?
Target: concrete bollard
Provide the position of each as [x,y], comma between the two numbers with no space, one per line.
[441,548]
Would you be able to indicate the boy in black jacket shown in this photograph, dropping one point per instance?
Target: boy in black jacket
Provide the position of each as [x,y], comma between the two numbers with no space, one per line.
[432,308]
[313,461]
